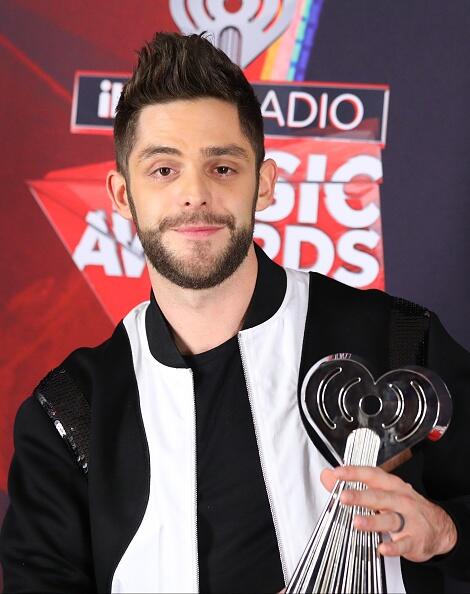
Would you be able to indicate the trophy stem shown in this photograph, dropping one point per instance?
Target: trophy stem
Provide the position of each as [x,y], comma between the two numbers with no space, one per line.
[338,558]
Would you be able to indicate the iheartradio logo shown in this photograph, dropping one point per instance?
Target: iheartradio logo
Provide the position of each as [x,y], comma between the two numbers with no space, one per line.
[242,34]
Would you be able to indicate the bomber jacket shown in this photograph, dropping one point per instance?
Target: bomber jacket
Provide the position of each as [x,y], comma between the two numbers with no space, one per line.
[129,525]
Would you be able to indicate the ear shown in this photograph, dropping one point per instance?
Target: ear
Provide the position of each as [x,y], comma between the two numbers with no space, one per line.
[117,192]
[267,183]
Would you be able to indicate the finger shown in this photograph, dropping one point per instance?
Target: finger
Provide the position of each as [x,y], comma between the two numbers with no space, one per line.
[370,476]
[375,499]
[383,522]
[396,548]
[328,478]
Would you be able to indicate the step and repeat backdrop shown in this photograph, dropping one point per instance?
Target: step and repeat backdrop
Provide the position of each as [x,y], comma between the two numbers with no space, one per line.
[365,112]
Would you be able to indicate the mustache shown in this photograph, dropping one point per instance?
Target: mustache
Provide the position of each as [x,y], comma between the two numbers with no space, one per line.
[196,218]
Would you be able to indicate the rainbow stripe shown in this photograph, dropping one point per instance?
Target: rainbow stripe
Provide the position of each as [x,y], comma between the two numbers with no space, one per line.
[288,57]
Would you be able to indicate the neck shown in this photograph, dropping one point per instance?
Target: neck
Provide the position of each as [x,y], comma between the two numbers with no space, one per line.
[202,319]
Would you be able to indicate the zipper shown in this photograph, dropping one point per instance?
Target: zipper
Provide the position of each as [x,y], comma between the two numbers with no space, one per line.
[261,457]
[196,551]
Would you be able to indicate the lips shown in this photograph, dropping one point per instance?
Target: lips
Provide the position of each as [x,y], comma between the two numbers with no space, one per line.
[197,231]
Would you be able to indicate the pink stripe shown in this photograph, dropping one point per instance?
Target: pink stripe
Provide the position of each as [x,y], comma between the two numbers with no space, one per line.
[286,47]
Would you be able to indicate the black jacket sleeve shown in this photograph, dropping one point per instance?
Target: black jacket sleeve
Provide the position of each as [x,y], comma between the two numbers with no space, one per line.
[45,538]
[445,474]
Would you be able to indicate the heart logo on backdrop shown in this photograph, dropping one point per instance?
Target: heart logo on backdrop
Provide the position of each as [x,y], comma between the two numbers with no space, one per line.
[243,34]
[404,406]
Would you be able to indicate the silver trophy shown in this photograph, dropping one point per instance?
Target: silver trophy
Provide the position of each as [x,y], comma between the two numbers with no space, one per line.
[363,422]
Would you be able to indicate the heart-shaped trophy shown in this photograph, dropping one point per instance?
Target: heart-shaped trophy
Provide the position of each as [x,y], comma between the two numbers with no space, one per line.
[363,422]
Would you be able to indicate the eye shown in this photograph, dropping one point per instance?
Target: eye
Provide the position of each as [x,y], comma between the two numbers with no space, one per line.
[224,170]
[163,171]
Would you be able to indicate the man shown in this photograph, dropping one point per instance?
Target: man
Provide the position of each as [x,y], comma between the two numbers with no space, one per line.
[201,474]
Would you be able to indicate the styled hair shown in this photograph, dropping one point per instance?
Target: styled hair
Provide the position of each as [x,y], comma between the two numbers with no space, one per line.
[174,66]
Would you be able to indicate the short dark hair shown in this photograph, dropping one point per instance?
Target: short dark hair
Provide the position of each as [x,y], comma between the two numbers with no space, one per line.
[174,66]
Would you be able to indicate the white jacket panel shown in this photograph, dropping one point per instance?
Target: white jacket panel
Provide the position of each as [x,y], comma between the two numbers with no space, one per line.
[291,463]
[162,556]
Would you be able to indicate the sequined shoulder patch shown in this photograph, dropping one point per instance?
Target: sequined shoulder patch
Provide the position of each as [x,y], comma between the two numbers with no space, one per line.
[69,410]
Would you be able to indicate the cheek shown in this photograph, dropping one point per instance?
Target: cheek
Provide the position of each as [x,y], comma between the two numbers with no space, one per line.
[149,205]
[239,199]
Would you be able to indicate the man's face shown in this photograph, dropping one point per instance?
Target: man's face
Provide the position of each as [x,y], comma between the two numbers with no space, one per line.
[193,190]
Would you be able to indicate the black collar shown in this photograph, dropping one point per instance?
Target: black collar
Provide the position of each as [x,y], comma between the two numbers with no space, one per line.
[268,295]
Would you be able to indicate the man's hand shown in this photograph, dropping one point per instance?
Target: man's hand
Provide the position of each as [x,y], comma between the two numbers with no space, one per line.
[427,531]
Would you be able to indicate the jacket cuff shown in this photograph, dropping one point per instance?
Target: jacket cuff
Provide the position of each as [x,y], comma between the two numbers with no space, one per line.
[455,563]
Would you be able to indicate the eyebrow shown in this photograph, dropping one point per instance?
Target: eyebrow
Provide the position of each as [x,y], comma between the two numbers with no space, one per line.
[231,150]
[151,150]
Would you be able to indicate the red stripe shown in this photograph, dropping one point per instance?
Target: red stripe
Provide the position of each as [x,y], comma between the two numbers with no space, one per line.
[37,70]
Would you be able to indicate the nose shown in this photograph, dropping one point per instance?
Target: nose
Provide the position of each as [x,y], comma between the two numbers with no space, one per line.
[194,189]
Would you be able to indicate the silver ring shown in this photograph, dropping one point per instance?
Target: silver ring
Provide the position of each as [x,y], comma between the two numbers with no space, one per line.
[402,523]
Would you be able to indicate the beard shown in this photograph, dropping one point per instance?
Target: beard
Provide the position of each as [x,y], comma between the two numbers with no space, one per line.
[201,269]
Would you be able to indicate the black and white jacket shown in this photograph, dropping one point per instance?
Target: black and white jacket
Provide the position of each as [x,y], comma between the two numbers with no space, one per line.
[129,525]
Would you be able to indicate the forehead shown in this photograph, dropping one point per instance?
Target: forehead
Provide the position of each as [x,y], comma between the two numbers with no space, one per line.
[190,125]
